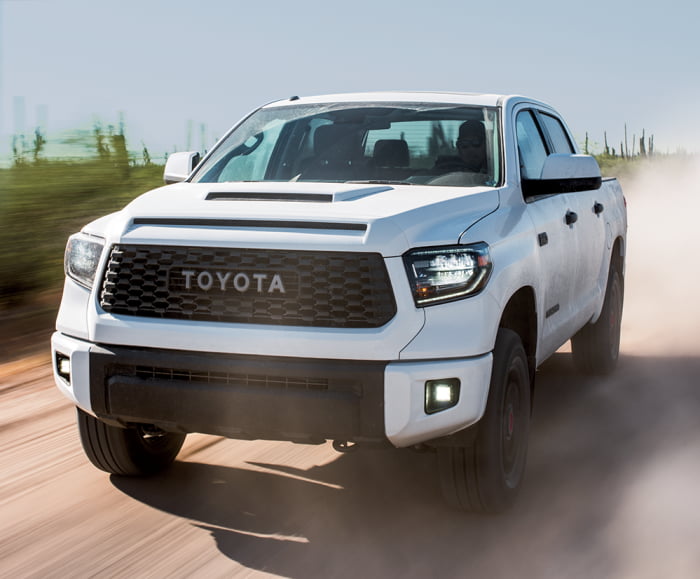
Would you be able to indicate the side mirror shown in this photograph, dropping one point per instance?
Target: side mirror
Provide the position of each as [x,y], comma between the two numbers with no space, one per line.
[179,166]
[565,174]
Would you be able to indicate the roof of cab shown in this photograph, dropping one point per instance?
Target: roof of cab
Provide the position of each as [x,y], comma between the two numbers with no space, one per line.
[413,97]
[456,98]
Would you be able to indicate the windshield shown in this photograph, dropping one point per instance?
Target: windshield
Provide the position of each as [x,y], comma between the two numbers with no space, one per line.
[442,145]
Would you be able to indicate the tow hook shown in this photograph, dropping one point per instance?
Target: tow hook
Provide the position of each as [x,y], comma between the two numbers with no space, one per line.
[344,446]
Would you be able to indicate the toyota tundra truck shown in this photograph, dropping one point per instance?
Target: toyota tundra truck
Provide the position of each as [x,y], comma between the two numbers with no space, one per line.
[378,269]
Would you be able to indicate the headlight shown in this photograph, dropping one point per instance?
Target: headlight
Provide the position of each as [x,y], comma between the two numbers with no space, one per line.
[447,273]
[82,257]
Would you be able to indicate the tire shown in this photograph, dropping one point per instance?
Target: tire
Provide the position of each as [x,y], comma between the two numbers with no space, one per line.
[596,347]
[485,475]
[137,451]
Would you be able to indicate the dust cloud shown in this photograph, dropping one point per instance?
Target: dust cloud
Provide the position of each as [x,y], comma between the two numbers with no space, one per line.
[652,432]
[662,310]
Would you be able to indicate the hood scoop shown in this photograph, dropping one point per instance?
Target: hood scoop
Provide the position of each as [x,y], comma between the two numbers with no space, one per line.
[349,194]
[248,223]
[241,196]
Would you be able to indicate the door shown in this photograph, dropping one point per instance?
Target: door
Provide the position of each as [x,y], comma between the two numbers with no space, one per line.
[554,219]
[589,229]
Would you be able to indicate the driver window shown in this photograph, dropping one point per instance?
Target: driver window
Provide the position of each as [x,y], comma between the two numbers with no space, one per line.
[531,147]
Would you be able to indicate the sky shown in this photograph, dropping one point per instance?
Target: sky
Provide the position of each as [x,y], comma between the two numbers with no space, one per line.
[180,73]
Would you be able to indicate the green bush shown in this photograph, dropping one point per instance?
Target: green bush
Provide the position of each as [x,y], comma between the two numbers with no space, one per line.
[42,203]
[612,166]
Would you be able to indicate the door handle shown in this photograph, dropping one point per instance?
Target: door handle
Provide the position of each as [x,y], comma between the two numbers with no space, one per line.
[598,208]
[571,217]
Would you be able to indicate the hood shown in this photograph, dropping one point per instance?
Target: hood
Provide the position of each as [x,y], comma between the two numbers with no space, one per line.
[389,219]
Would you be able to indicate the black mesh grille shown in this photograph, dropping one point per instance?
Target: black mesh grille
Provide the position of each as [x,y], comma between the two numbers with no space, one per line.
[299,288]
[227,378]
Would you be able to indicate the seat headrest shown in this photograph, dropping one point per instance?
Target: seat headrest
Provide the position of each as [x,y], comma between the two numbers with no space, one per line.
[333,141]
[391,153]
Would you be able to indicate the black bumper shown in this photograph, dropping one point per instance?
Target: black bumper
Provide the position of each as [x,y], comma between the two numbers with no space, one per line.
[246,397]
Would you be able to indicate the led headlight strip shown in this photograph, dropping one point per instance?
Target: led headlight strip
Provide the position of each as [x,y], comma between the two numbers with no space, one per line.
[443,274]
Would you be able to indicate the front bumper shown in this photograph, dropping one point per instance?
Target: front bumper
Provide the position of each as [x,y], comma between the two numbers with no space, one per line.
[250,397]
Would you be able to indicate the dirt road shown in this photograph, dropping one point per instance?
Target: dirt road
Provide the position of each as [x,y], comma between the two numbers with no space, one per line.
[611,489]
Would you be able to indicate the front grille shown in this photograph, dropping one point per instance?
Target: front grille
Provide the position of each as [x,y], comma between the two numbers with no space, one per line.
[291,288]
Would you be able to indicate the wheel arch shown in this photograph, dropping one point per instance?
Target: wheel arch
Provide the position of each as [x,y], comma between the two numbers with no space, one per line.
[520,316]
[617,257]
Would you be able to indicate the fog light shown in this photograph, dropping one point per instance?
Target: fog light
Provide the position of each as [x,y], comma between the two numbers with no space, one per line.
[63,366]
[441,394]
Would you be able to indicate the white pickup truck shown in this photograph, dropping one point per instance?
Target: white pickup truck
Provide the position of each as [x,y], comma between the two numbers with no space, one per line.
[372,269]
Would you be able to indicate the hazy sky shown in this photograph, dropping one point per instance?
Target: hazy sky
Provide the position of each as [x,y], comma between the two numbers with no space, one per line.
[164,63]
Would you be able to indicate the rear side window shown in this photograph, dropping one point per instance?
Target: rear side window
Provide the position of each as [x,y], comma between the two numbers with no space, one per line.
[557,134]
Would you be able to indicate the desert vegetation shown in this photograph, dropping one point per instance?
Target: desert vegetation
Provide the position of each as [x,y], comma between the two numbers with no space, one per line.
[42,201]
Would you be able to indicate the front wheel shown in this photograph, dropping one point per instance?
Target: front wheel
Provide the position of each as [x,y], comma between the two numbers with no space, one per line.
[486,474]
[137,451]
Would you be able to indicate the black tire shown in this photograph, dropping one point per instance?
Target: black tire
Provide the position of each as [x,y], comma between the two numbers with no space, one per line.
[485,475]
[596,347]
[134,451]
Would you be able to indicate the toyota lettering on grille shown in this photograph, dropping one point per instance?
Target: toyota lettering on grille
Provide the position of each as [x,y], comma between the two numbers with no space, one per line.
[243,282]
